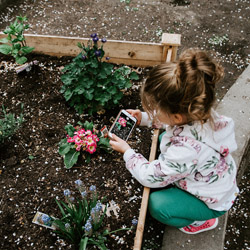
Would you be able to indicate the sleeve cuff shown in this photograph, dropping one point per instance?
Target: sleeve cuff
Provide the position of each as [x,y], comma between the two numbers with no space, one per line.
[128,154]
[145,120]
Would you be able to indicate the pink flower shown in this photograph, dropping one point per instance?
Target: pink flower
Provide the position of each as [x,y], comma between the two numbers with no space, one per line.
[122,121]
[88,132]
[221,167]
[91,149]
[78,148]
[95,137]
[224,151]
[77,139]
[90,141]
[172,179]
[70,139]
[183,184]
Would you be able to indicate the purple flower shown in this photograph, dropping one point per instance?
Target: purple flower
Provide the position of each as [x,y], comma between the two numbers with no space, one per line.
[83,57]
[107,58]
[134,222]
[66,192]
[78,182]
[84,194]
[97,52]
[93,35]
[92,188]
[95,39]
[104,40]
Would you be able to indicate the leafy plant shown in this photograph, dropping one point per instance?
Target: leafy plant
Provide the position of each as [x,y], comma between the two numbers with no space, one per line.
[15,44]
[218,40]
[9,124]
[81,222]
[82,138]
[92,84]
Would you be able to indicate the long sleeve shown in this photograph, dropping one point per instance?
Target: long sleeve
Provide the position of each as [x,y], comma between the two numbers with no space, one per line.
[163,171]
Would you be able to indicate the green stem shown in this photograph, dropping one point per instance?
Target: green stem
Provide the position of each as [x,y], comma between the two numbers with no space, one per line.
[83,243]
[120,229]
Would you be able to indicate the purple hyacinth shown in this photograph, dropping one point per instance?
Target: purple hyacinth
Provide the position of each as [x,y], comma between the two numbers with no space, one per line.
[104,40]
[97,52]
[93,35]
[92,188]
[107,58]
[134,222]
[67,192]
[95,39]
[78,182]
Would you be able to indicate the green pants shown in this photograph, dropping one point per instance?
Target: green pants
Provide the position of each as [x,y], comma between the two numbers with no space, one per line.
[179,208]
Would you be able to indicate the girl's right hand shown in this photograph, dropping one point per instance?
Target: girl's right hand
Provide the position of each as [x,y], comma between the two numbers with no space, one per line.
[135,113]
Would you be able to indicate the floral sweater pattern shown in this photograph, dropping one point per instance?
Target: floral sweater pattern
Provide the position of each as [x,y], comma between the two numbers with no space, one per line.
[196,158]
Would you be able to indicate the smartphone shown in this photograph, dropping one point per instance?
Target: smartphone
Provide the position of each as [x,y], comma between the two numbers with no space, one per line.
[123,125]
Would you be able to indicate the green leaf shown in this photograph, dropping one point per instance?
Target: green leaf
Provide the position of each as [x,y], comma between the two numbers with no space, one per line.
[21,60]
[83,243]
[64,148]
[68,94]
[31,157]
[134,76]
[4,40]
[27,49]
[5,49]
[71,158]
[70,130]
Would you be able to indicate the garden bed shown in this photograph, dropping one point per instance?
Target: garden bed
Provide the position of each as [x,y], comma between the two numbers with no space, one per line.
[33,173]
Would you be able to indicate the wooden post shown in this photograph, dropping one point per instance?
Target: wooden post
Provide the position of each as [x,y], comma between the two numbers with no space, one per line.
[171,41]
[145,196]
[146,191]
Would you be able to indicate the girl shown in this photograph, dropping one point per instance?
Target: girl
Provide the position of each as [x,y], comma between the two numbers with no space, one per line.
[195,148]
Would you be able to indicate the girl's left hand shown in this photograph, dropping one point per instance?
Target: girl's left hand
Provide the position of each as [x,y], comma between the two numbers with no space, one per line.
[118,144]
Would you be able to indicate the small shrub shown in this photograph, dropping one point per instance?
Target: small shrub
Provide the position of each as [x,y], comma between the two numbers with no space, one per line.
[9,125]
[218,40]
[15,44]
[93,84]
[81,222]
[83,138]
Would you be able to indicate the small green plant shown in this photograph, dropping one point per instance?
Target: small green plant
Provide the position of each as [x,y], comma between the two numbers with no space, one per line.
[9,124]
[82,138]
[92,84]
[81,222]
[218,40]
[15,44]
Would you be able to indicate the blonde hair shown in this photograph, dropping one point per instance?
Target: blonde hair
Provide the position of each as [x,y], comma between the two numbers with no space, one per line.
[183,87]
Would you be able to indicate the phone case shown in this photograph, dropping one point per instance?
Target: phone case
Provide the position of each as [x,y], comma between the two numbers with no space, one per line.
[123,125]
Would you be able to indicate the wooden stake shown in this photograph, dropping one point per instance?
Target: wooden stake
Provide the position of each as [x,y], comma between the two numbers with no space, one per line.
[146,191]
[145,196]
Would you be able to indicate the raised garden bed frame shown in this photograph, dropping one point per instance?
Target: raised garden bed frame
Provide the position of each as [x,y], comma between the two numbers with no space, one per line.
[137,54]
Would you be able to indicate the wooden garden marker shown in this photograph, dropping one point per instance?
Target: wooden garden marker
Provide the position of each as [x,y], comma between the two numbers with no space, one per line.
[146,191]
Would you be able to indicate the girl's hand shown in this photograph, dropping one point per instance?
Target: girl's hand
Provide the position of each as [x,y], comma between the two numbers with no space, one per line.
[118,144]
[135,113]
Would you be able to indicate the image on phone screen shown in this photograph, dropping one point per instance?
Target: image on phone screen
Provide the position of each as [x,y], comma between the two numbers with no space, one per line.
[123,126]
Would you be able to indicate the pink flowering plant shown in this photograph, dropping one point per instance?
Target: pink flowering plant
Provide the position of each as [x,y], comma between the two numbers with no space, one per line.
[84,138]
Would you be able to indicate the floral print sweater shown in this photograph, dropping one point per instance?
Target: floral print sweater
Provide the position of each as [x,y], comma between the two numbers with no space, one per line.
[196,158]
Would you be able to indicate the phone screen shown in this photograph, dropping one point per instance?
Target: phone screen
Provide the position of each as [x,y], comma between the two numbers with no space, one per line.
[123,126]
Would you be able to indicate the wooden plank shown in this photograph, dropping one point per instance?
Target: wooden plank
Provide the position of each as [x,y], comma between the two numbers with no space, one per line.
[120,52]
[145,196]
[146,190]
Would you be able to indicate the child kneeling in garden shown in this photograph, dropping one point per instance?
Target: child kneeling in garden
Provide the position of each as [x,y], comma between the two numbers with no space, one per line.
[195,148]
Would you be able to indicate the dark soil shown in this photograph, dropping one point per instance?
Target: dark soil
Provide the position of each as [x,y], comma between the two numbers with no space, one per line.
[30,185]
